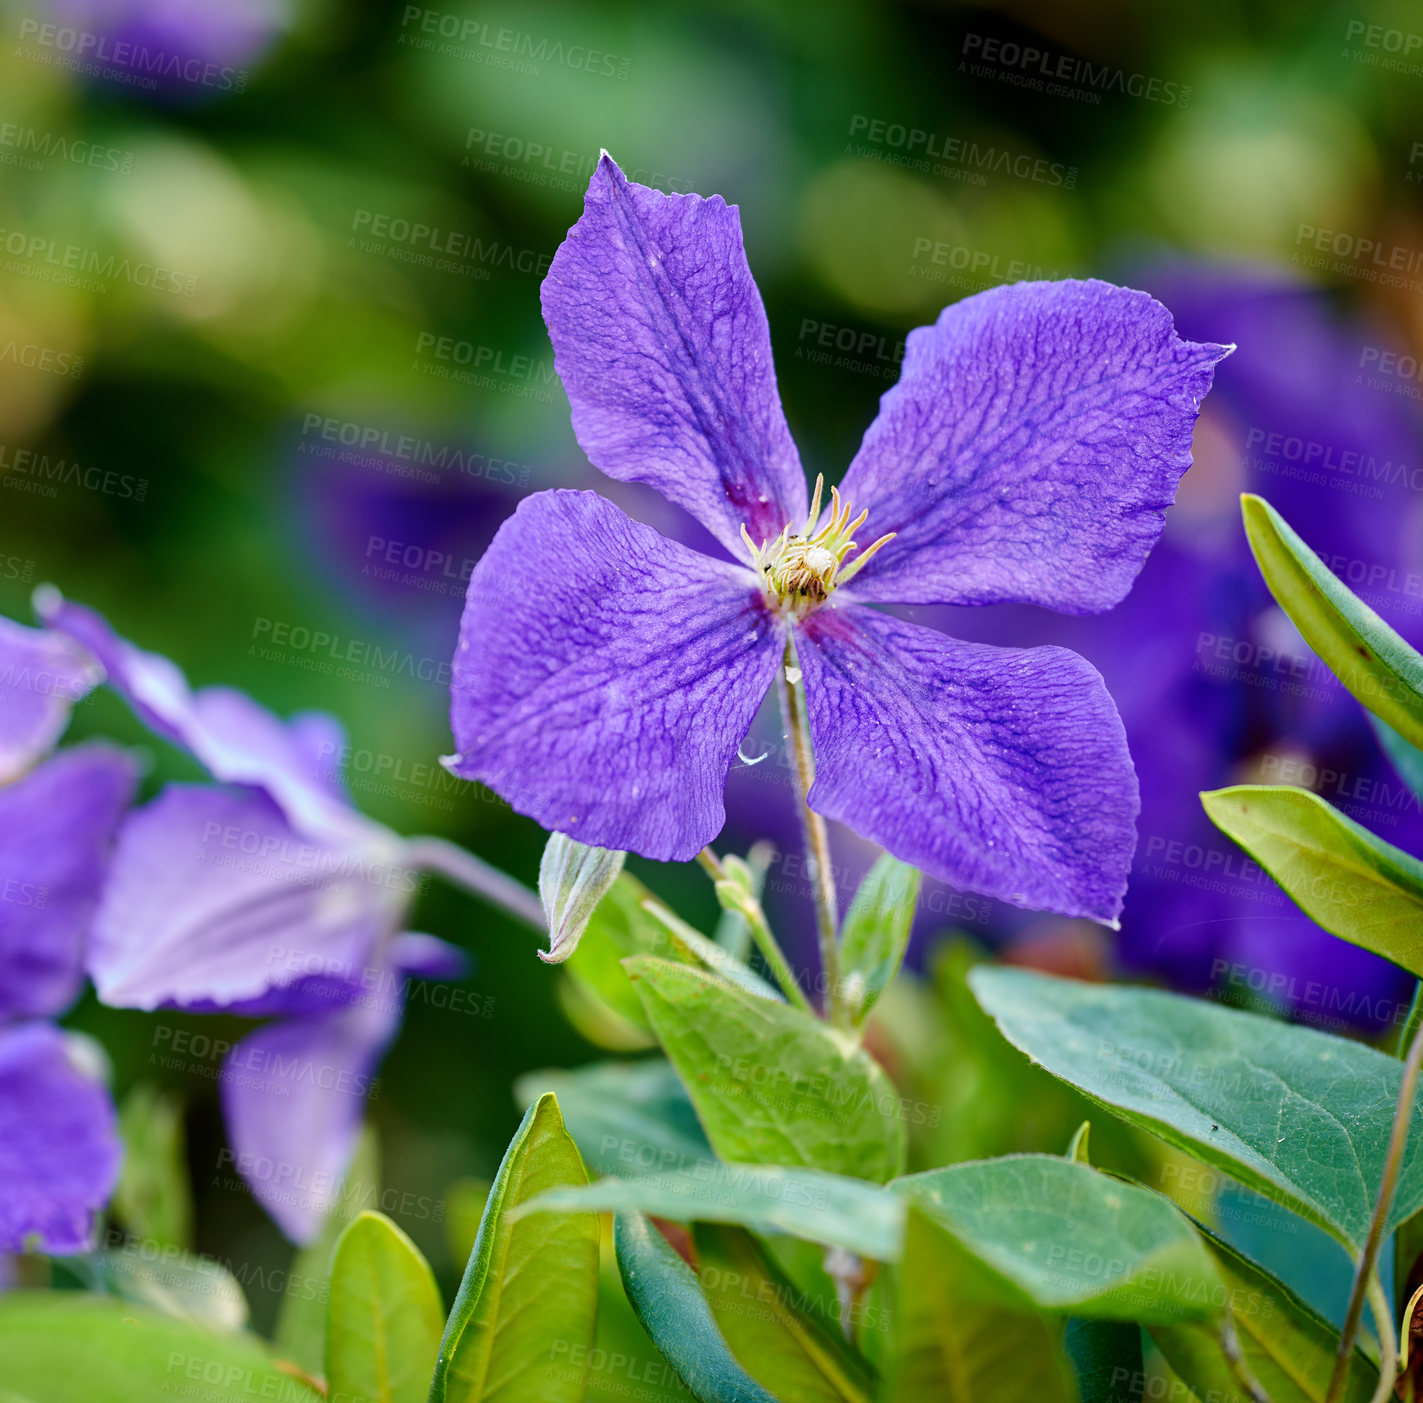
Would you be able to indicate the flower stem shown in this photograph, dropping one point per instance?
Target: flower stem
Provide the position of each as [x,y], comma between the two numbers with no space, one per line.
[474,874]
[1365,1276]
[817,840]
[749,909]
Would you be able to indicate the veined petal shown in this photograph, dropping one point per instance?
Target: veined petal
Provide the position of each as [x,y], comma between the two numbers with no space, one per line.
[230,735]
[42,674]
[661,341]
[214,900]
[605,676]
[59,1142]
[1030,448]
[294,1096]
[1000,770]
[57,827]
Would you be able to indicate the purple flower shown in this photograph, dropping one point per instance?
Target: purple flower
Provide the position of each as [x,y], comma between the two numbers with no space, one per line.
[606,675]
[59,1146]
[268,895]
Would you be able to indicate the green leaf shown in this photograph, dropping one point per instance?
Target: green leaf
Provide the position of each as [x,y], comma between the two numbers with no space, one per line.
[530,1289]
[1357,646]
[1298,1115]
[383,1329]
[876,932]
[959,1339]
[176,1283]
[772,1085]
[301,1320]
[1072,1238]
[75,1347]
[1406,759]
[1289,1347]
[693,947]
[626,1117]
[153,1196]
[1079,1148]
[757,1308]
[831,1209]
[666,1298]
[1355,885]
[1106,1359]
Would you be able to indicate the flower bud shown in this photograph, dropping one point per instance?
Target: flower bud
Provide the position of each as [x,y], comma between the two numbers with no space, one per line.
[573,879]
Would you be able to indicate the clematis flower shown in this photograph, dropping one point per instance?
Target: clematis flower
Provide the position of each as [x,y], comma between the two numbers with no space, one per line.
[267,896]
[606,675]
[59,1145]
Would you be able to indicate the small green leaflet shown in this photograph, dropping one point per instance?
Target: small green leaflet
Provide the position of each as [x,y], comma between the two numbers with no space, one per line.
[1355,885]
[383,1325]
[1357,646]
[1295,1114]
[875,933]
[530,1291]
[772,1085]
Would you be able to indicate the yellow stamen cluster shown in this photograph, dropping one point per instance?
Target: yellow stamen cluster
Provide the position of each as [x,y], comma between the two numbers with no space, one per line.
[798,572]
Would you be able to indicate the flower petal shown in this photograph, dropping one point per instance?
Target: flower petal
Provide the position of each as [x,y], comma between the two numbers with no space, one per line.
[1030,448]
[56,829]
[42,675]
[214,899]
[294,1096]
[228,733]
[661,341]
[1000,770]
[606,675]
[59,1142]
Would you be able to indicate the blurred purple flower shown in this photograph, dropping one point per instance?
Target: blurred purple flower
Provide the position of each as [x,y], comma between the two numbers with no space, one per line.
[268,895]
[606,675]
[59,1146]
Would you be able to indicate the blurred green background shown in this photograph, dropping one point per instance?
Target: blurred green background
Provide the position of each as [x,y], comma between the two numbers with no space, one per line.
[272,366]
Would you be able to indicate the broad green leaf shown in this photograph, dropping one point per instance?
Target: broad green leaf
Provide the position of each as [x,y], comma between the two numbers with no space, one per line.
[626,1117]
[1298,1115]
[831,1209]
[383,1330]
[301,1320]
[1288,1347]
[957,1339]
[75,1347]
[530,1289]
[1406,759]
[1357,646]
[666,1298]
[1106,1359]
[758,1310]
[772,1085]
[153,1197]
[176,1283]
[1355,885]
[875,934]
[1072,1238]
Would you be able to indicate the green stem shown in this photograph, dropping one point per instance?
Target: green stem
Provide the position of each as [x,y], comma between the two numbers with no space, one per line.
[761,933]
[1366,1283]
[817,839]
[1235,1357]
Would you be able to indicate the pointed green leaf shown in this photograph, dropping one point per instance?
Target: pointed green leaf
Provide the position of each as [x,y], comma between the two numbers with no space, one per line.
[959,1338]
[76,1347]
[876,932]
[831,1209]
[1357,646]
[1355,885]
[383,1329]
[666,1298]
[1072,1238]
[1290,1348]
[757,1308]
[771,1084]
[153,1196]
[1298,1115]
[530,1290]
[1079,1147]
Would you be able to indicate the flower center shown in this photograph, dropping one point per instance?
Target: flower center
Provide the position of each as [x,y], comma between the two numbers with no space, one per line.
[799,572]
